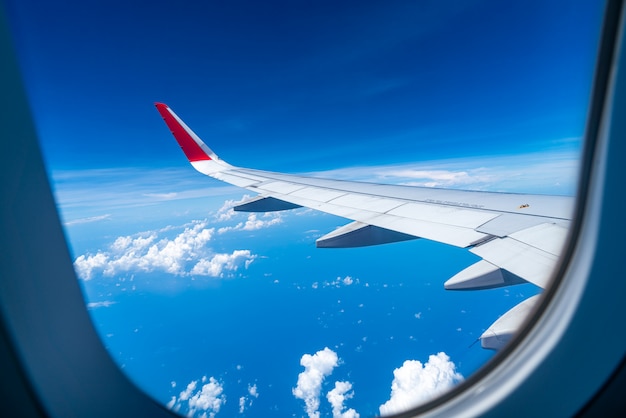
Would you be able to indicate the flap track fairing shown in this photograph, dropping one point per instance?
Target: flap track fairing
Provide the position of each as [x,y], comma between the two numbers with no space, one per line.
[357,234]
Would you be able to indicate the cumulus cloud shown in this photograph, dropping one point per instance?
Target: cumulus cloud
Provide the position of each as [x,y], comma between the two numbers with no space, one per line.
[414,383]
[205,401]
[86,264]
[185,254]
[316,368]
[220,262]
[253,223]
[337,396]
[246,402]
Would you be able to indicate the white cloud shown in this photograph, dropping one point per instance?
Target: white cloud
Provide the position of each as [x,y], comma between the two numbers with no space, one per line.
[88,219]
[440,178]
[77,196]
[186,394]
[337,396]
[338,282]
[220,262]
[85,265]
[551,172]
[245,402]
[226,212]
[185,254]
[163,196]
[203,402]
[103,304]
[414,383]
[309,386]
[253,223]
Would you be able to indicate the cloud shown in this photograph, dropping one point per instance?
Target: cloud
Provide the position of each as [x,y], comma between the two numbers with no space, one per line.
[316,368]
[253,223]
[338,282]
[551,172]
[162,196]
[203,402]
[337,396]
[244,401]
[185,254]
[414,383]
[226,212]
[85,265]
[92,190]
[253,391]
[220,262]
[103,304]
[87,220]
[439,178]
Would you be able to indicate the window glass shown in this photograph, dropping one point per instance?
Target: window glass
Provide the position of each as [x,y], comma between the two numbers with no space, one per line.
[217,312]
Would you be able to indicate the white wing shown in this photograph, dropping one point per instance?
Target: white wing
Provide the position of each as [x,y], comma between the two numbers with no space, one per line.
[518,236]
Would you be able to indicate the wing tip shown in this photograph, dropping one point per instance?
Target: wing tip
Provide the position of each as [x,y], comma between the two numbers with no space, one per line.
[188,141]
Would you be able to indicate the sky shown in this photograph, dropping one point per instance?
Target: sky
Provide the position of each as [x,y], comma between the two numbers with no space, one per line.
[224,314]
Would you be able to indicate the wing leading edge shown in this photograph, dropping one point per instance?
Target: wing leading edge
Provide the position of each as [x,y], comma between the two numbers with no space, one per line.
[519,237]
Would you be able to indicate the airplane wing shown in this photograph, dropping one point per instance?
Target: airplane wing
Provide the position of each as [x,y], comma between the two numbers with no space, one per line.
[519,237]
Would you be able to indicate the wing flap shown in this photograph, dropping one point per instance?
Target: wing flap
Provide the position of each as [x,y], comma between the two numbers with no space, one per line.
[523,260]
[546,237]
[508,223]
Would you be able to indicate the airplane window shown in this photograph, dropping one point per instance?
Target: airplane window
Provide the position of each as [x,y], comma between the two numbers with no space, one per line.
[323,297]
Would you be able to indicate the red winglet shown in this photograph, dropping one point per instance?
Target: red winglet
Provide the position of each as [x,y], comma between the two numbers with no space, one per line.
[183,134]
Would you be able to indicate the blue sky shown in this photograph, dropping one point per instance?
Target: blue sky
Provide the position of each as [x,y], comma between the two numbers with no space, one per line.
[484,95]
[313,75]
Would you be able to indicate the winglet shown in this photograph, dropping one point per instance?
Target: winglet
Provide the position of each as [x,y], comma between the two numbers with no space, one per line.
[189,142]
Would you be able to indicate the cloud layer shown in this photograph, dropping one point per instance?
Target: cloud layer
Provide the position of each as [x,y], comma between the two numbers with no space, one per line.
[185,254]
[553,172]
